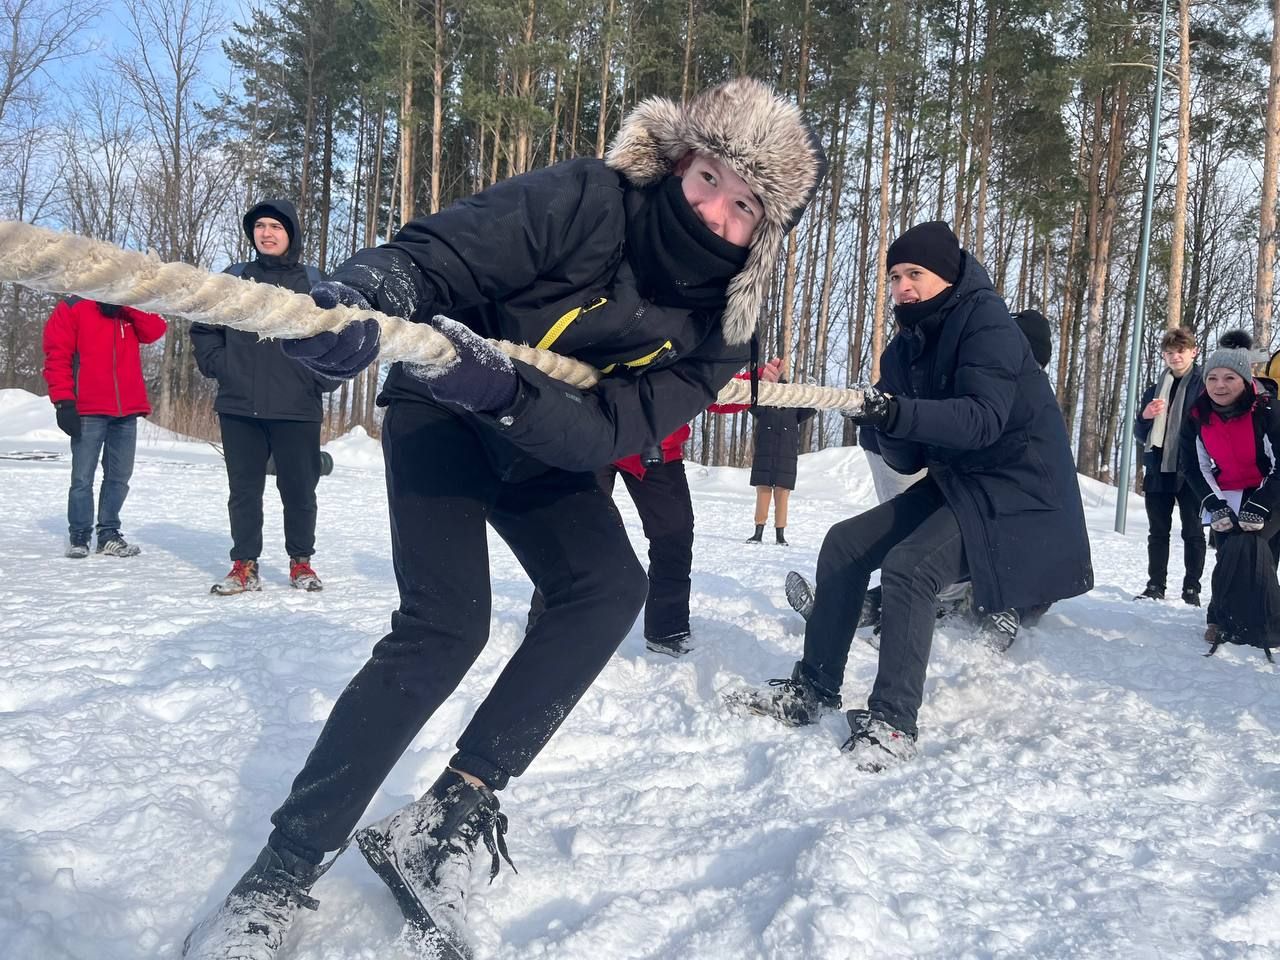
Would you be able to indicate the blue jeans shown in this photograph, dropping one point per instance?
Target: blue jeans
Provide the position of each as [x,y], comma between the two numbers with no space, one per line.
[114,439]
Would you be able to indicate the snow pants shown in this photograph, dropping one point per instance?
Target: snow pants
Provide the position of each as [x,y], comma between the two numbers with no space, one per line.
[914,541]
[666,513]
[247,442]
[565,532]
[1160,508]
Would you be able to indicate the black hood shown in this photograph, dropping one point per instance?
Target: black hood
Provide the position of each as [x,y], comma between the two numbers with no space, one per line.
[286,213]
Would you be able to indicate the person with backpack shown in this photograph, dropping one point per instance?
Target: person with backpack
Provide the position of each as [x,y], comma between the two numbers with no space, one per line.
[269,407]
[1229,445]
[1157,428]
[652,264]
[93,367]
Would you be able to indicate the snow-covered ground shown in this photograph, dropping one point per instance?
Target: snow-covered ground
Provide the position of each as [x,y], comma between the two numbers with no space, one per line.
[1101,791]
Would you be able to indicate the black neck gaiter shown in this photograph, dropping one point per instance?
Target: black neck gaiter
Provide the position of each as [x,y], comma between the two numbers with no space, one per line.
[677,259]
[910,314]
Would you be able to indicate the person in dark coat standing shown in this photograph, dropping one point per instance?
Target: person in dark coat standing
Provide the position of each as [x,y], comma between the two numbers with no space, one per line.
[93,366]
[268,407]
[652,265]
[1161,413]
[773,464]
[961,395]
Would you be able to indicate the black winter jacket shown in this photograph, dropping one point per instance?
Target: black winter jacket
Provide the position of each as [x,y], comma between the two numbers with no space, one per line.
[541,259]
[777,445]
[974,407]
[1154,480]
[255,378]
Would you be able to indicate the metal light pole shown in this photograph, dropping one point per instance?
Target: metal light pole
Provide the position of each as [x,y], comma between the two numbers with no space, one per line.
[1131,393]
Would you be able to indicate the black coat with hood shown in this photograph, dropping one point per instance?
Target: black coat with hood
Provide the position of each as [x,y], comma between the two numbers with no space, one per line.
[777,445]
[255,378]
[974,407]
[564,258]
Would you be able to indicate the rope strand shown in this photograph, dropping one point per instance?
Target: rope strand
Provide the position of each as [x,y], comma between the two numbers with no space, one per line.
[63,263]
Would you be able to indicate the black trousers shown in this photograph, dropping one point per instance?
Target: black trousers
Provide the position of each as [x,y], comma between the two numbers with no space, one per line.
[915,543]
[247,442]
[666,514]
[568,536]
[1160,523]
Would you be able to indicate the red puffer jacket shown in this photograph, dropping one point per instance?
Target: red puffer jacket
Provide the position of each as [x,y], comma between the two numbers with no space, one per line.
[93,359]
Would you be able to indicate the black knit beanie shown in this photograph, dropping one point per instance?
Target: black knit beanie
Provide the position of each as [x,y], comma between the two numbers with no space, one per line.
[1035,328]
[930,245]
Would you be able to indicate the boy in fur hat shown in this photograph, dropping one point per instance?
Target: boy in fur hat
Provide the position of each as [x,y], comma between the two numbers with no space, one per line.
[652,264]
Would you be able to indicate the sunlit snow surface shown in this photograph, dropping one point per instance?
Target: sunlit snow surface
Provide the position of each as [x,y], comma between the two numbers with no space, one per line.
[1101,791]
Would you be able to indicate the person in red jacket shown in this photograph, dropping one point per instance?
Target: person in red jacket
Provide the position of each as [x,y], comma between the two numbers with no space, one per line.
[94,371]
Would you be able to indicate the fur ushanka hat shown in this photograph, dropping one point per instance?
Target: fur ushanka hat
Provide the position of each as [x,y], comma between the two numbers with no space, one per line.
[762,137]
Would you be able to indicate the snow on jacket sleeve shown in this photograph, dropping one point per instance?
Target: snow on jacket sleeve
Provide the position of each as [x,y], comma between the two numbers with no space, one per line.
[985,384]
[583,430]
[560,222]
[147,327]
[59,348]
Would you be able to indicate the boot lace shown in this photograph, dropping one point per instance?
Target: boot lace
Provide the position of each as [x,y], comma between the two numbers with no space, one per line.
[493,831]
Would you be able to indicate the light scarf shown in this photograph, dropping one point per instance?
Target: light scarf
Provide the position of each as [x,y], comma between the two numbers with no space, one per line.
[1171,414]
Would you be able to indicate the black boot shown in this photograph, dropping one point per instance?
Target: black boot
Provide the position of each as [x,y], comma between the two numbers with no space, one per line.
[257,914]
[781,541]
[423,852]
[758,536]
[795,701]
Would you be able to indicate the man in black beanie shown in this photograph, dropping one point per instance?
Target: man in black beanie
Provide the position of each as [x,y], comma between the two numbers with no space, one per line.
[962,398]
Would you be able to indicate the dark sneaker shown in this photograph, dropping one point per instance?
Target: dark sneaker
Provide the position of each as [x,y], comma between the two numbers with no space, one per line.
[676,645]
[77,551]
[870,615]
[1191,596]
[243,578]
[799,594]
[117,546]
[254,920]
[1151,593]
[424,852]
[302,576]
[793,701]
[999,630]
[875,745]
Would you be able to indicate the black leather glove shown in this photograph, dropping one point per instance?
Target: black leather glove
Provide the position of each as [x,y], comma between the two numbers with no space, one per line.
[1221,518]
[481,379]
[68,418]
[651,457]
[877,409]
[341,355]
[1253,516]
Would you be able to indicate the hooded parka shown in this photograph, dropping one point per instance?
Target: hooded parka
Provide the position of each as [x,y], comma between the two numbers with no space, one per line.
[255,378]
[974,407]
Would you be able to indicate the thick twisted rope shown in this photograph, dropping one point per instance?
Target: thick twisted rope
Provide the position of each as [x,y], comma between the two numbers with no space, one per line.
[63,263]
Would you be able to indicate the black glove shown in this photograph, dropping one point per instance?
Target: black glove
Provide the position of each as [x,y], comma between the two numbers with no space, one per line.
[481,379]
[1253,516]
[877,409]
[341,355]
[68,418]
[1221,518]
[651,457]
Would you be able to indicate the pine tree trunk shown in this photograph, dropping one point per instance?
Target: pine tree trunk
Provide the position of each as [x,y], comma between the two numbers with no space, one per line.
[984,149]
[1267,218]
[606,55]
[437,105]
[690,29]
[882,244]
[1178,240]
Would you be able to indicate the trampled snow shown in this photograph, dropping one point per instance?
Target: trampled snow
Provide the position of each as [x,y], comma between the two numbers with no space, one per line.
[1100,791]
